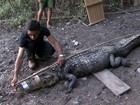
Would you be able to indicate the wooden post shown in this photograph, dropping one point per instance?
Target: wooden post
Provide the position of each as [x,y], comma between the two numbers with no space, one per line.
[121,4]
[136,2]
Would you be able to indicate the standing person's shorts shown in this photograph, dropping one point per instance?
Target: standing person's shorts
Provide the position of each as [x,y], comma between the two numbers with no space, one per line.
[47,3]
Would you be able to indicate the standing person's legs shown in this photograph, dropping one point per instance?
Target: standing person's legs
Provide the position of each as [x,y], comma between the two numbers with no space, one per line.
[42,6]
[49,14]
[50,5]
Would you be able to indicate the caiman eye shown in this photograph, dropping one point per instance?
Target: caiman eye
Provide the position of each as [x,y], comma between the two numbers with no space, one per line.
[44,82]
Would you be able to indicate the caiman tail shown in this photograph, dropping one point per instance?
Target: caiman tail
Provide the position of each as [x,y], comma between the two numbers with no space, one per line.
[125,46]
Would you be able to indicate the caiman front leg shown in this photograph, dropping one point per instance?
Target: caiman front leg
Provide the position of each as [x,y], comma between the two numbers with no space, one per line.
[72,81]
[116,62]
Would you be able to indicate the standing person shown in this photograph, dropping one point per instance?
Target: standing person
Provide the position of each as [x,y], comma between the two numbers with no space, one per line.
[32,41]
[42,5]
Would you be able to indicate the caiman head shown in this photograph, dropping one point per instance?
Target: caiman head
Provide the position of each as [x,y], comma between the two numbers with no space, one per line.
[46,79]
[38,81]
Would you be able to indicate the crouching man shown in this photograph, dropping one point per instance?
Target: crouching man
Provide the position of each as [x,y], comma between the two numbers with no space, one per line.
[32,41]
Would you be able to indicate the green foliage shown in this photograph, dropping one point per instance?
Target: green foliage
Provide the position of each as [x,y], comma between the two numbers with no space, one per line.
[17,12]
[21,19]
[4,10]
[118,3]
[70,8]
[114,2]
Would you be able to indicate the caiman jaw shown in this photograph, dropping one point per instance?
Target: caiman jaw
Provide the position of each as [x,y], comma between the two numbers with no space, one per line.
[46,80]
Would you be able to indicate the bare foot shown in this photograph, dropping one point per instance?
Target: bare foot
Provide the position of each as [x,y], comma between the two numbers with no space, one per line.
[48,26]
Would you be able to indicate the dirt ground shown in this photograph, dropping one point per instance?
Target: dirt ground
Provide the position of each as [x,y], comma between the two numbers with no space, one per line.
[73,36]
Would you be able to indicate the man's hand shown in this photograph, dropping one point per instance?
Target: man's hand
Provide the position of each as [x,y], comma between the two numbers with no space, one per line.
[13,83]
[61,61]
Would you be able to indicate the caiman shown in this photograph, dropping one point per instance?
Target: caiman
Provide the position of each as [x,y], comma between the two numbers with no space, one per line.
[92,60]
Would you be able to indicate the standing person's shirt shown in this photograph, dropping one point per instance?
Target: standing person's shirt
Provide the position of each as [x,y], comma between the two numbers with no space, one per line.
[25,40]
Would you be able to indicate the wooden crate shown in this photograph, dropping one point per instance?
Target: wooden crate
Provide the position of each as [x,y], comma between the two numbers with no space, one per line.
[94,10]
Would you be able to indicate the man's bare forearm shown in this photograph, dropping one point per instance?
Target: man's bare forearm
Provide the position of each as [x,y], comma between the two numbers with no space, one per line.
[18,65]
[58,48]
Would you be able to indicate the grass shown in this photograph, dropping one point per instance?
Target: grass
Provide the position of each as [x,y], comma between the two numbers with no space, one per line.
[18,12]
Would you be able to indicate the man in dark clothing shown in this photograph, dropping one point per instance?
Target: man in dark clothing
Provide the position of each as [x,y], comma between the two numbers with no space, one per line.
[32,41]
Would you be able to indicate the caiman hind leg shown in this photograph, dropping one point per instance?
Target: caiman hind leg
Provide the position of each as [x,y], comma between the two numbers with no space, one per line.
[116,62]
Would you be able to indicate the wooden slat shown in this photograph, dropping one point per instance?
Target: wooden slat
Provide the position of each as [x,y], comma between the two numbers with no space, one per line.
[88,2]
[92,2]
[95,11]
[112,82]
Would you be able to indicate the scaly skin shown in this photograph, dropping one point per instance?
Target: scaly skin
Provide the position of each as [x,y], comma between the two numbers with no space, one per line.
[92,60]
